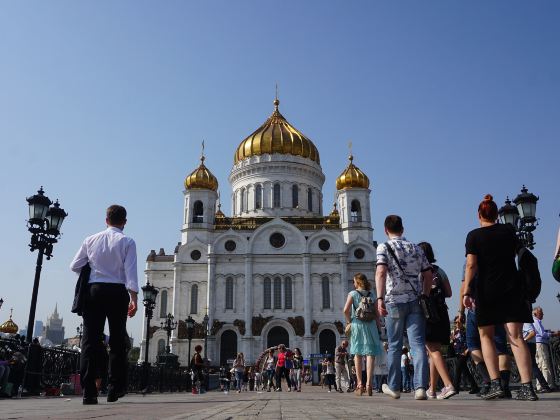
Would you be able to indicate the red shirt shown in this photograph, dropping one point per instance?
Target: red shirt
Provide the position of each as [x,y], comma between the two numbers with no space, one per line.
[281,359]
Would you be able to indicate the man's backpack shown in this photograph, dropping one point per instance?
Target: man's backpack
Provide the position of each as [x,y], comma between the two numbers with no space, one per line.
[366,309]
[529,275]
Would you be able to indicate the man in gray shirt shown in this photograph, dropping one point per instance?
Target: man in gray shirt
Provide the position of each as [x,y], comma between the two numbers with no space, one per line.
[111,295]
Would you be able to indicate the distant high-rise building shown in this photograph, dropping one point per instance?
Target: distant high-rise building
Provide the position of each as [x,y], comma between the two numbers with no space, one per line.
[38,330]
[54,331]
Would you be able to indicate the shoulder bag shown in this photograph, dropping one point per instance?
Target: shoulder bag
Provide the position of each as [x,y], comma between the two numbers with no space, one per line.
[428,307]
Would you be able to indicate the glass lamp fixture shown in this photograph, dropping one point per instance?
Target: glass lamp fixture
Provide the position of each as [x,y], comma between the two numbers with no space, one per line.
[526,203]
[38,207]
[508,213]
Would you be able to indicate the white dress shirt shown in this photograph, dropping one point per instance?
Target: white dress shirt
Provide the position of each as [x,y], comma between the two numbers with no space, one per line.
[112,258]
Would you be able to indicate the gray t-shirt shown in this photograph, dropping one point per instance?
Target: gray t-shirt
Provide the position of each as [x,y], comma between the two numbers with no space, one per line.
[412,260]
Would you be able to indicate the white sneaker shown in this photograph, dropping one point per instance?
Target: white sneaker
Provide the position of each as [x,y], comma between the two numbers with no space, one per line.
[446,392]
[420,394]
[393,394]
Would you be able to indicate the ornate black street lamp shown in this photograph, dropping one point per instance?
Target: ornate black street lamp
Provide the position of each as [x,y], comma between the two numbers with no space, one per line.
[205,322]
[79,333]
[168,326]
[522,216]
[44,224]
[150,294]
[190,331]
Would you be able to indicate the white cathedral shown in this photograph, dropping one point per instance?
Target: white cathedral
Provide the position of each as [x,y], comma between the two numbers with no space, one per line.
[277,270]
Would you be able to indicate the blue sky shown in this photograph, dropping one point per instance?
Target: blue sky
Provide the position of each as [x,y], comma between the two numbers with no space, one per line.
[105,102]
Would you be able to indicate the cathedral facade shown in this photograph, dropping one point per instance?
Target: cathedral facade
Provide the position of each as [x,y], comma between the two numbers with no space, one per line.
[277,270]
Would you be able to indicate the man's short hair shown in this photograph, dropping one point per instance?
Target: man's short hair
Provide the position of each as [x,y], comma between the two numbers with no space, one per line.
[116,215]
[393,223]
[536,309]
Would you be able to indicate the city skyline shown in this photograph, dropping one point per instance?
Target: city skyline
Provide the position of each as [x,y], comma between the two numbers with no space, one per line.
[443,104]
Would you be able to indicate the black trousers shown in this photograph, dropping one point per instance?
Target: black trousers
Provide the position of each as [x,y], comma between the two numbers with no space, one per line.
[282,371]
[461,368]
[104,301]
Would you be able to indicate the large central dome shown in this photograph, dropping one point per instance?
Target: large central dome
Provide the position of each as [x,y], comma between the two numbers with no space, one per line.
[276,135]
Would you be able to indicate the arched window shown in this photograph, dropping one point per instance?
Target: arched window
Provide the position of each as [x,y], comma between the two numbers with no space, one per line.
[295,196]
[229,293]
[243,201]
[276,198]
[198,212]
[277,293]
[258,196]
[194,299]
[326,288]
[160,346]
[163,304]
[267,293]
[310,199]
[287,293]
[355,211]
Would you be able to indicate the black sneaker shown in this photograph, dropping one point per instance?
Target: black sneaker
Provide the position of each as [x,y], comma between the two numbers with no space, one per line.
[474,390]
[495,390]
[545,390]
[526,393]
[483,390]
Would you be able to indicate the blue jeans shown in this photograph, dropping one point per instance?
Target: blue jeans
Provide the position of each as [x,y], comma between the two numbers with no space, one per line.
[406,386]
[406,315]
[239,379]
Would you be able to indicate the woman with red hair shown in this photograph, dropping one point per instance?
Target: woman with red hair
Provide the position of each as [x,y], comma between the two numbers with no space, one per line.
[499,299]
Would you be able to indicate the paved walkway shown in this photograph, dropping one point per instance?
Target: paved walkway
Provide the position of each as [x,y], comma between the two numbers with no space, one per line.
[312,403]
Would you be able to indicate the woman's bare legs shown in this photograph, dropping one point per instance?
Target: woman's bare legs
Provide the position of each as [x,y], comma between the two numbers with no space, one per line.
[439,363]
[520,350]
[489,351]
[358,364]
[370,364]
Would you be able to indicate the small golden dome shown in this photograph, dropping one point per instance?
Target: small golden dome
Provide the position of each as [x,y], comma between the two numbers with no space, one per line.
[9,327]
[352,177]
[276,135]
[201,179]
[220,214]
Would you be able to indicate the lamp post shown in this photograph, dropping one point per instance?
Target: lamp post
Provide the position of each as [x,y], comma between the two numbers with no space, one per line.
[44,225]
[1,302]
[521,216]
[190,330]
[79,333]
[558,297]
[150,294]
[168,326]
[205,322]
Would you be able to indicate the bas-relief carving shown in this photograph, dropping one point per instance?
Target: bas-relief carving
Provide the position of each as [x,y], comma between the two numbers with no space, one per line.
[298,325]
[240,324]
[258,324]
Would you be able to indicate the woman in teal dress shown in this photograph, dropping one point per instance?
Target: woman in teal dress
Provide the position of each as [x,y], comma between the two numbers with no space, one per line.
[364,335]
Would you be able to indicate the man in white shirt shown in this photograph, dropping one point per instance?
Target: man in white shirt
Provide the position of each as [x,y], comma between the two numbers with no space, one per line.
[111,294]
[402,275]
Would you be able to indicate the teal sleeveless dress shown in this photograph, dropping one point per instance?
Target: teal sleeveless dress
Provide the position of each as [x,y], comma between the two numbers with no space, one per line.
[364,337]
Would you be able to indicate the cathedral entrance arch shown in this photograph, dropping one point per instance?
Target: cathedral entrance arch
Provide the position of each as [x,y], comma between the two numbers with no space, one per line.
[277,335]
[228,346]
[327,342]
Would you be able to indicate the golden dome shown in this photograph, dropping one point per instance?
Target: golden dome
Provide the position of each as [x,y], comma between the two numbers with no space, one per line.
[220,214]
[201,178]
[276,135]
[9,327]
[352,177]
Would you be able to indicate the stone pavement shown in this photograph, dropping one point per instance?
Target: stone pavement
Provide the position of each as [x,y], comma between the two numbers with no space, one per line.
[312,403]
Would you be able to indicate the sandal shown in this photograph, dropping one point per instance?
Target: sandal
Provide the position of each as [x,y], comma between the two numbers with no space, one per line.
[359,391]
[369,390]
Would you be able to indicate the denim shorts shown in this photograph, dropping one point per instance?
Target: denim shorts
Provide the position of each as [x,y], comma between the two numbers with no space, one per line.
[473,337]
